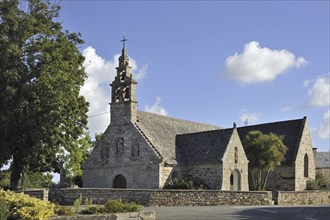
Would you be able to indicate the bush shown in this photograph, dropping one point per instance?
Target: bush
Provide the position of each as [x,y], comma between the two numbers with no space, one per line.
[95,209]
[312,185]
[62,210]
[322,182]
[4,210]
[186,184]
[77,203]
[24,207]
[318,183]
[115,206]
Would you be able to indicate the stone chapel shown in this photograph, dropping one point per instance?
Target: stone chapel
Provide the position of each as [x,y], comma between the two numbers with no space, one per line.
[143,150]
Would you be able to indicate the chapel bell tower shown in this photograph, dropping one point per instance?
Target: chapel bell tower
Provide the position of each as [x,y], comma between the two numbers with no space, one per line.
[123,98]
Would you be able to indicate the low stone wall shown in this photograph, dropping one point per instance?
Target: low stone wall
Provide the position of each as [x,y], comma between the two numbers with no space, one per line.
[162,197]
[209,198]
[182,197]
[303,197]
[38,193]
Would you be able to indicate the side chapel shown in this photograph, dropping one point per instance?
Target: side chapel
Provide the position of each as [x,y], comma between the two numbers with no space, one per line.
[144,150]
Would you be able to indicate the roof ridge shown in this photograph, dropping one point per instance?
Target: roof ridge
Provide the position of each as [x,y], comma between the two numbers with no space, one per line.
[275,122]
[177,119]
[209,131]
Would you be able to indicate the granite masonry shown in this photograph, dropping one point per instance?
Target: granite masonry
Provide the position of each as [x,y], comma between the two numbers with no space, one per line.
[147,197]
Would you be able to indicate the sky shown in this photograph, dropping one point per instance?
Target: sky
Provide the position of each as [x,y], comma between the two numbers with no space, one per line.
[215,62]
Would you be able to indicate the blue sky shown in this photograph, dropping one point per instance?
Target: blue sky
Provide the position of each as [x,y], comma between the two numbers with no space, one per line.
[215,62]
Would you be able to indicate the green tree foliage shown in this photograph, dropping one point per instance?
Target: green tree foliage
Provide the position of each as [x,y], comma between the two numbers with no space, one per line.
[264,153]
[4,179]
[29,179]
[73,157]
[41,72]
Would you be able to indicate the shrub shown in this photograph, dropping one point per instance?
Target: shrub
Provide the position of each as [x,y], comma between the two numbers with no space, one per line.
[312,185]
[24,207]
[62,210]
[318,183]
[115,206]
[77,203]
[186,184]
[4,210]
[319,176]
[95,209]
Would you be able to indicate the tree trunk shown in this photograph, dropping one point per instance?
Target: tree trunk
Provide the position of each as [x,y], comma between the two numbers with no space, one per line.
[265,180]
[17,171]
[259,179]
[254,180]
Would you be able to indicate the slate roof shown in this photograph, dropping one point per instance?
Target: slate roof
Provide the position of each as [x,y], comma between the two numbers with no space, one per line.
[291,131]
[161,132]
[202,147]
[322,160]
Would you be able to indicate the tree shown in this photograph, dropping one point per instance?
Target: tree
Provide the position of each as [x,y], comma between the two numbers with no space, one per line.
[72,158]
[41,72]
[29,179]
[264,153]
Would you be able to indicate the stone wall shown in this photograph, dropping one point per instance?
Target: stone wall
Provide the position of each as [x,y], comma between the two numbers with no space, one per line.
[305,149]
[127,155]
[230,166]
[163,197]
[38,193]
[303,197]
[282,178]
[183,197]
[326,173]
[209,174]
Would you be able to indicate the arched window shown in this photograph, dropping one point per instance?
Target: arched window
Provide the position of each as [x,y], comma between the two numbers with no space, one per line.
[236,155]
[119,182]
[306,165]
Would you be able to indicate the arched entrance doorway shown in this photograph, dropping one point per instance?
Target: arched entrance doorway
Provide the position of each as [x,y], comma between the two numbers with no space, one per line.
[235,180]
[119,182]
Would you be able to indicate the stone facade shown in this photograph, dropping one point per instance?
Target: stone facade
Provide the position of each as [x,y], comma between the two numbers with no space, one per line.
[322,163]
[227,171]
[299,163]
[304,162]
[122,151]
[282,178]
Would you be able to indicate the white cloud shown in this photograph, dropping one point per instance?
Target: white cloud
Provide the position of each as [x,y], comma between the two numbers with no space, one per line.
[96,90]
[249,117]
[260,64]
[156,108]
[323,131]
[139,73]
[319,94]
